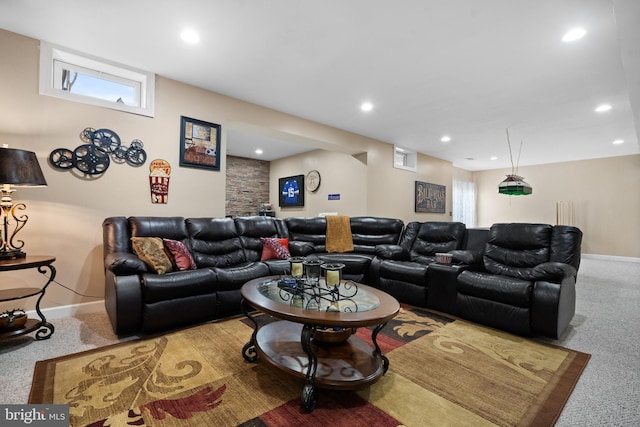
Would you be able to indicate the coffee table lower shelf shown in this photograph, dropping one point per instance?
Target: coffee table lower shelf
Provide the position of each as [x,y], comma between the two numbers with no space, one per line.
[350,365]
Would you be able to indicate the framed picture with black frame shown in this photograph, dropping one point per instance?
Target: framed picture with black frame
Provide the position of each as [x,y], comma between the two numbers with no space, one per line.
[199,144]
[291,191]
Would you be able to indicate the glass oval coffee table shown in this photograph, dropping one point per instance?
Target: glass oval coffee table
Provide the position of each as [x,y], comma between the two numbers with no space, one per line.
[313,337]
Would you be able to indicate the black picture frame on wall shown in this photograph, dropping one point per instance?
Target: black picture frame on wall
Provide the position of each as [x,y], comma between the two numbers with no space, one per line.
[430,198]
[291,191]
[199,144]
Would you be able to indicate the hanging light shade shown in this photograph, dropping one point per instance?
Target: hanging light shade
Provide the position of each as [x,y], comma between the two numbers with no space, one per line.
[514,185]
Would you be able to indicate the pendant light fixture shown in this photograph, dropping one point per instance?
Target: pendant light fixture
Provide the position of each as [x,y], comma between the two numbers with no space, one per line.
[514,184]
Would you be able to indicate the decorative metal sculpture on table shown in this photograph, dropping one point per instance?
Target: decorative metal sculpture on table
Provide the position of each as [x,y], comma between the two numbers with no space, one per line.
[94,157]
[304,290]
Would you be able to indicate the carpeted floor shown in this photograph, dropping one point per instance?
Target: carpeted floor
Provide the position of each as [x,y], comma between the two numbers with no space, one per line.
[442,372]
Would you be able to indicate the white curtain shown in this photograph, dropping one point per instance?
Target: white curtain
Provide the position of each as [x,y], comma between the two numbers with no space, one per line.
[464,202]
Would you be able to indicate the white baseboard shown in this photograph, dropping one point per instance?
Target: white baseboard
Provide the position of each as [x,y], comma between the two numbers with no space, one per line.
[611,258]
[70,310]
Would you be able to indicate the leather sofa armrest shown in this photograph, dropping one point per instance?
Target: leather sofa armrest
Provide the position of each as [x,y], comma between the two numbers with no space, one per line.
[553,306]
[300,248]
[466,257]
[124,263]
[393,252]
[554,271]
[442,286]
[123,302]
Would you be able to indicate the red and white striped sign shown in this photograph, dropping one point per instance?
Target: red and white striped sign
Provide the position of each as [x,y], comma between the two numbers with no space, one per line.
[159,180]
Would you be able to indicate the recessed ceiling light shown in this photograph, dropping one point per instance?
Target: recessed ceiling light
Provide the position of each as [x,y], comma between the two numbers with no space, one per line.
[259,151]
[493,158]
[190,36]
[603,108]
[366,106]
[445,138]
[574,34]
[618,141]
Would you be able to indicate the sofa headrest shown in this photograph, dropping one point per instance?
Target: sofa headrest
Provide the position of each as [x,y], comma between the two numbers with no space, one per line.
[165,227]
[566,242]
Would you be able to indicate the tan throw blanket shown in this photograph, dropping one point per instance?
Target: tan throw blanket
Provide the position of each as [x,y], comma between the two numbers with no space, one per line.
[339,238]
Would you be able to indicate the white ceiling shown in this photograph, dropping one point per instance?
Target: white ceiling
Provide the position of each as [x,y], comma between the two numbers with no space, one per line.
[464,68]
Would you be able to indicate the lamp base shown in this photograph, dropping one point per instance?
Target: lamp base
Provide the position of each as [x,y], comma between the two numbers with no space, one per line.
[12,254]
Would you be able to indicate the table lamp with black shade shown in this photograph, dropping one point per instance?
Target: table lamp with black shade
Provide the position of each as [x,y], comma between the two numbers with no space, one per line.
[18,168]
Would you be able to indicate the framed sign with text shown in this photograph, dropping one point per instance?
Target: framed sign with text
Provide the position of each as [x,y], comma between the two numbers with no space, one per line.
[430,198]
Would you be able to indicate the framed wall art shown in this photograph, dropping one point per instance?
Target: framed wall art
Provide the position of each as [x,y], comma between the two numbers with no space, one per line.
[199,144]
[291,191]
[431,198]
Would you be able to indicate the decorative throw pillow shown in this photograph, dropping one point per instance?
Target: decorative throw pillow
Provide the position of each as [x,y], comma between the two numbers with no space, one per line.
[274,248]
[181,255]
[151,251]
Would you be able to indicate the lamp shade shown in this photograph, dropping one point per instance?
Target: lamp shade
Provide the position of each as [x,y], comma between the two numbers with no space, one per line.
[20,168]
[514,185]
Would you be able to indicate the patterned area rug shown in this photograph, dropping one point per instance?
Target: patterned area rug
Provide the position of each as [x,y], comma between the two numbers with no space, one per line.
[442,372]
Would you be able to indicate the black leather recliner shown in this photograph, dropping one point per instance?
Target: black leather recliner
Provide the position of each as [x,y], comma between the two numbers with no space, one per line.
[526,282]
[401,270]
[216,245]
[139,299]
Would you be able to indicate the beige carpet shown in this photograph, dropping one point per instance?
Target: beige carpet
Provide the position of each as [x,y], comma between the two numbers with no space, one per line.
[442,372]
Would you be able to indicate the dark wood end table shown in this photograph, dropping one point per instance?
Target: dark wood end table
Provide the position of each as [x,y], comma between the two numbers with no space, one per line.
[44,264]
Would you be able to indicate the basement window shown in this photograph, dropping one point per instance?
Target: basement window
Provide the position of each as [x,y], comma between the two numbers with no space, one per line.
[82,78]
[406,159]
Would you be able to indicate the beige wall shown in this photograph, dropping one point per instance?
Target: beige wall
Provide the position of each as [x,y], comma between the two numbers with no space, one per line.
[605,194]
[340,174]
[367,184]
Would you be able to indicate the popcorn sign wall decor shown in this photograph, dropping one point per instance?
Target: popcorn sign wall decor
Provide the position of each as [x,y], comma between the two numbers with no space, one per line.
[159,172]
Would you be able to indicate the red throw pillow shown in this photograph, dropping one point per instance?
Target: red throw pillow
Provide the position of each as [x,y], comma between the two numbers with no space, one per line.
[274,248]
[181,255]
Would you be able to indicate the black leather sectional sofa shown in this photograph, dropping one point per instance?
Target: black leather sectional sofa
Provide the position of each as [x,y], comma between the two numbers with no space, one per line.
[516,277]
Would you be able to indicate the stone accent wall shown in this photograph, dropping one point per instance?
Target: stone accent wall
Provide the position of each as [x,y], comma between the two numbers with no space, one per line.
[247,186]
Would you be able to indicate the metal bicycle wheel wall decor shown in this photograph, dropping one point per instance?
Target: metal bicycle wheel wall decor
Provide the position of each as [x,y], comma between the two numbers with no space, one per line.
[100,148]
